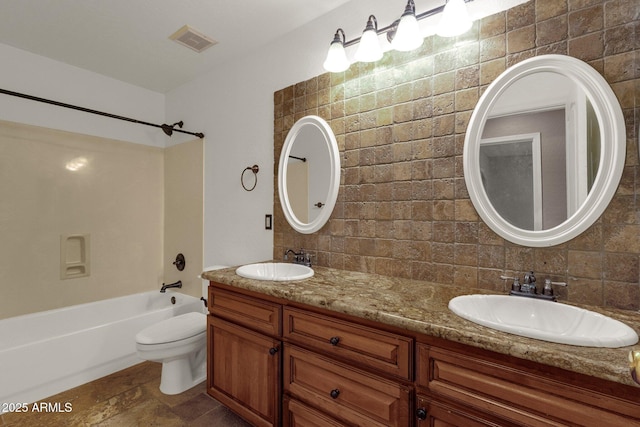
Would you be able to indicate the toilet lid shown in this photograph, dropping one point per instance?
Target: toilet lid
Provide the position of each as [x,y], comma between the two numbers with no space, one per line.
[174,329]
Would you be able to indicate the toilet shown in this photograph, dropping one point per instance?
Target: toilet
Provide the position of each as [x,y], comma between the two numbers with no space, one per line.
[179,343]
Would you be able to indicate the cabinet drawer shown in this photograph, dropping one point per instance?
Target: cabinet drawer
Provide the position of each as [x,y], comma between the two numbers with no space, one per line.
[343,392]
[516,395]
[253,313]
[434,413]
[384,351]
[297,414]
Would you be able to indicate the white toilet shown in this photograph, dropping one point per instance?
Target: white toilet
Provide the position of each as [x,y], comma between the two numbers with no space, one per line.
[179,343]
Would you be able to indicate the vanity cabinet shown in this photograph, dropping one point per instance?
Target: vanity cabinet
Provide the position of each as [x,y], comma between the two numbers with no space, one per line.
[499,390]
[244,356]
[275,362]
[332,372]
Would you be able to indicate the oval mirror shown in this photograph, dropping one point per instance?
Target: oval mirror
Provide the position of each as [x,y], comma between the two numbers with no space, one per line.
[544,150]
[309,174]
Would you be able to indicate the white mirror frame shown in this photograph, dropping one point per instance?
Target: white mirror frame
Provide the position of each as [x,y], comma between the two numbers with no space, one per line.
[334,175]
[612,156]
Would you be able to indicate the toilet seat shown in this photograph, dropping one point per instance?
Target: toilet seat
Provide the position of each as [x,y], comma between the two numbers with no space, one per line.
[174,329]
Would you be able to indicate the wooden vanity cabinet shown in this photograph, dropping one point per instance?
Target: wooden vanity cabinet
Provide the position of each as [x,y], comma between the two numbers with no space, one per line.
[275,363]
[331,372]
[244,356]
[507,391]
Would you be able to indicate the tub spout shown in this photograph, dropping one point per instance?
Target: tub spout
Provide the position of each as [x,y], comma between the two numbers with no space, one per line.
[164,288]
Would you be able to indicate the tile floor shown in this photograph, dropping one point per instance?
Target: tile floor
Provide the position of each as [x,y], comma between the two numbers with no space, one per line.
[130,397]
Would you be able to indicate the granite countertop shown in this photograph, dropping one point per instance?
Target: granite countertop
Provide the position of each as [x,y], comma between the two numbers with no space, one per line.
[423,307]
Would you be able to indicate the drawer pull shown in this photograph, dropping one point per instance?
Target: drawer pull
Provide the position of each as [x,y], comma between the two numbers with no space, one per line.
[334,340]
[335,393]
[421,413]
[273,350]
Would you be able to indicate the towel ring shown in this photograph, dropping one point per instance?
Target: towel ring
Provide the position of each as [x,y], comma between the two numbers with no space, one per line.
[253,169]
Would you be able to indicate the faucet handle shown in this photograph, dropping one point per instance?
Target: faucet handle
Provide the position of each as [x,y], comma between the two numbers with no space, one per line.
[308,258]
[548,289]
[559,283]
[515,286]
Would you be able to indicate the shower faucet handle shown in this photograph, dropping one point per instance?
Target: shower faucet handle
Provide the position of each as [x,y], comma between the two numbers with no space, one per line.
[180,262]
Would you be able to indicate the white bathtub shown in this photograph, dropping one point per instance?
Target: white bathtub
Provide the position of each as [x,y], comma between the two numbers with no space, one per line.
[44,353]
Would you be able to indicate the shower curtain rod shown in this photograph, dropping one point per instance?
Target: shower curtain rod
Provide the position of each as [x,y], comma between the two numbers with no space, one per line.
[168,129]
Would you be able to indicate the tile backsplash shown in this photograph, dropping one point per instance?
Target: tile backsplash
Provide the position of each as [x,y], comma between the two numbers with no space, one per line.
[403,208]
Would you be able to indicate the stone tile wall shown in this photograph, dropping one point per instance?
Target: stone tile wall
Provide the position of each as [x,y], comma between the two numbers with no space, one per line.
[403,208]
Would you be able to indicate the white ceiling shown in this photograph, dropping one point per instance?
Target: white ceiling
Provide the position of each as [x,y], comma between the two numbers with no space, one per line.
[129,39]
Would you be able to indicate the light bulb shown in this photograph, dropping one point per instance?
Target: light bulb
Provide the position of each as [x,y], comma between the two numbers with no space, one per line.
[369,48]
[336,57]
[455,19]
[407,36]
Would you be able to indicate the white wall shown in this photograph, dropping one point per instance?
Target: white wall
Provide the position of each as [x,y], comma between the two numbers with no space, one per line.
[36,75]
[233,106]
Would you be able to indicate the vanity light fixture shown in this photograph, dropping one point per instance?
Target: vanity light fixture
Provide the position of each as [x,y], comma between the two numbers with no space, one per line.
[369,49]
[404,34]
[455,19]
[336,57]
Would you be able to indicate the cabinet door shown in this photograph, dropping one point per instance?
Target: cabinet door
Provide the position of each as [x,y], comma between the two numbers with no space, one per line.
[244,371]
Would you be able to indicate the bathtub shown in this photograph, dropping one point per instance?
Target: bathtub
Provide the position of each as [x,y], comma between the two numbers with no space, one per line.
[44,353]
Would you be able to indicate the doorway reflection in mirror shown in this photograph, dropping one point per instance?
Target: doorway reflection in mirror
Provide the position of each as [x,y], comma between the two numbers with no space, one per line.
[540,195]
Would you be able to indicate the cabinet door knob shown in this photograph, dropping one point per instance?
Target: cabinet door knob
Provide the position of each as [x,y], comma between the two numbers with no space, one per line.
[335,393]
[334,340]
[273,350]
[421,413]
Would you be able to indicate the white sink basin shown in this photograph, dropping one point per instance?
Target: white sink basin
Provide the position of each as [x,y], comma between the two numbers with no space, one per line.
[275,271]
[544,320]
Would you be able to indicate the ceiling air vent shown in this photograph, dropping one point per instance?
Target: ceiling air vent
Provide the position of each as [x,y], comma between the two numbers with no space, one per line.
[192,39]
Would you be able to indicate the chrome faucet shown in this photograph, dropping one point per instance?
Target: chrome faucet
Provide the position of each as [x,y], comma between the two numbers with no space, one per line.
[301,257]
[177,284]
[529,283]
